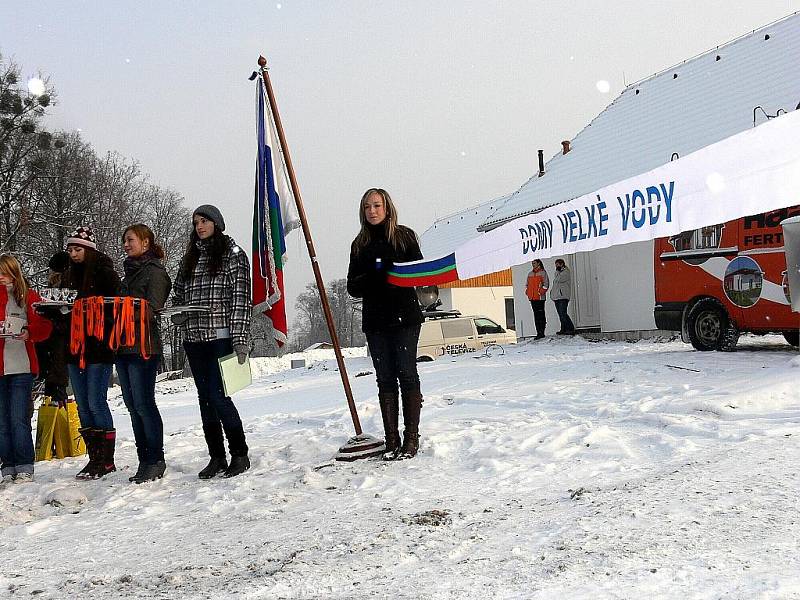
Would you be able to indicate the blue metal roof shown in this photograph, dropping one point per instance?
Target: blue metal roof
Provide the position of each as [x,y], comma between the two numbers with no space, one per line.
[679,110]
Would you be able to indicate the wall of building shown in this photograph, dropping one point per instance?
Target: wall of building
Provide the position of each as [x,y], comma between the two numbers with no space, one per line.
[487,301]
[626,287]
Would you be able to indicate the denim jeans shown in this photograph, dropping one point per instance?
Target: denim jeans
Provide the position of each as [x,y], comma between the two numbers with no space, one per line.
[216,410]
[563,316]
[16,410]
[91,394]
[394,356]
[137,378]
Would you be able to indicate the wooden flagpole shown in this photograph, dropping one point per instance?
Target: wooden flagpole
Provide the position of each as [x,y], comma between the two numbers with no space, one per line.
[262,63]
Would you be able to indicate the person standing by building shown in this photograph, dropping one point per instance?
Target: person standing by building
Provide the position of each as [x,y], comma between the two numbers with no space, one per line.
[391,316]
[536,291]
[22,326]
[146,278]
[560,294]
[91,273]
[215,273]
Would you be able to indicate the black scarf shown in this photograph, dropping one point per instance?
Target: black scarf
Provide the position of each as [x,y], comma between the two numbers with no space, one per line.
[133,263]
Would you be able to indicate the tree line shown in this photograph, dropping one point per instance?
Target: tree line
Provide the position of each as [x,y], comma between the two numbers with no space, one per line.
[53,181]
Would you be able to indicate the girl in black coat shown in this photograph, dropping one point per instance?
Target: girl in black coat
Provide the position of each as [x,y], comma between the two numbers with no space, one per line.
[391,316]
[92,273]
[145,277]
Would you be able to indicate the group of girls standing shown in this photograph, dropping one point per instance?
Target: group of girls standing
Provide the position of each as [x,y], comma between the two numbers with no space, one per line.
[213,274]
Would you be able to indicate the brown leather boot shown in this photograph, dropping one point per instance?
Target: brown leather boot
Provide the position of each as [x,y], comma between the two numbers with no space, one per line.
[390,409]
[412,405]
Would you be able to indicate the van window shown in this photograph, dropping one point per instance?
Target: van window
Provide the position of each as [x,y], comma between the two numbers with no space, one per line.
[431,333]
[457,328]
[485,326]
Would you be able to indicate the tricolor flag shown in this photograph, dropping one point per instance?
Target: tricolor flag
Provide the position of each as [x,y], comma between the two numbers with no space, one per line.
[424,272]
[274,216]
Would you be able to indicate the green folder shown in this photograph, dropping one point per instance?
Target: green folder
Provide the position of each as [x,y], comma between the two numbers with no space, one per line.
[235,377]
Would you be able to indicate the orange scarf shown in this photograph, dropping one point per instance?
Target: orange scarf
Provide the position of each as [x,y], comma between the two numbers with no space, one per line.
[125,325]
[88,320]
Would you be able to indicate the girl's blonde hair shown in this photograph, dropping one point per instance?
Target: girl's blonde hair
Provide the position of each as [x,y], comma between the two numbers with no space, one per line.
[10,267]
[396,234]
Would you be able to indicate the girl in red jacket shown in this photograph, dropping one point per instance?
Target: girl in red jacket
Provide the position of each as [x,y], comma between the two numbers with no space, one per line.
[20,327]
[536,290]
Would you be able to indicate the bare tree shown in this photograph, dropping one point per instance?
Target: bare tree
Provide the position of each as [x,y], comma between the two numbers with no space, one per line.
[23,145]
[310,326]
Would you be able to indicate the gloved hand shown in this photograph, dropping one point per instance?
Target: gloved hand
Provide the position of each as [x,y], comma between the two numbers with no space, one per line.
[241,352]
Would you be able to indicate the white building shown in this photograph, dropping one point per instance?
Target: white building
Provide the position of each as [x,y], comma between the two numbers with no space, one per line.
[490,295]
[679,110]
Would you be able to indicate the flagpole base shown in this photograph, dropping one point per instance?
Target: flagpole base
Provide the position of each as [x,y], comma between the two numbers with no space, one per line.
[359,447]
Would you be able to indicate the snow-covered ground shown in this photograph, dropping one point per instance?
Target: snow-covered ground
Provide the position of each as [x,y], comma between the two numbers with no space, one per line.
[560,469]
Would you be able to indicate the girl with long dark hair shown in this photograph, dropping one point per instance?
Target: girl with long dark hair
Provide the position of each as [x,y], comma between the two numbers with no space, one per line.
[215,273]
[92,273]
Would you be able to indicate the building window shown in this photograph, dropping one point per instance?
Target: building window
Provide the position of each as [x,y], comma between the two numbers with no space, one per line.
[510,314]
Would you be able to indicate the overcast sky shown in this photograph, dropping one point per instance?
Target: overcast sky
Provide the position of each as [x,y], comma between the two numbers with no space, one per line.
[443,103]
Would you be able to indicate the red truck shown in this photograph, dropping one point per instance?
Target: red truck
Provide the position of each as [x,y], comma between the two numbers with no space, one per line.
[716,282]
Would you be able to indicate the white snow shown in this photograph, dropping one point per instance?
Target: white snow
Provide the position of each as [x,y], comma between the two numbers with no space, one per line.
[562,468]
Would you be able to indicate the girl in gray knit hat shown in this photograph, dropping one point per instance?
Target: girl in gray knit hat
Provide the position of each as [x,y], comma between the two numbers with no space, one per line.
[215,273]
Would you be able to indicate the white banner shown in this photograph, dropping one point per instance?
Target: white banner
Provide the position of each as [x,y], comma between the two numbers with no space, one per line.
[752,172]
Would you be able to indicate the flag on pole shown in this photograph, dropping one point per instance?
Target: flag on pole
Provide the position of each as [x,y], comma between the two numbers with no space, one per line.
[274,216]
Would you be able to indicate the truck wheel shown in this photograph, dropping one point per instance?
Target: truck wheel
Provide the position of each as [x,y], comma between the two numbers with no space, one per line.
[710,328]
[792,337]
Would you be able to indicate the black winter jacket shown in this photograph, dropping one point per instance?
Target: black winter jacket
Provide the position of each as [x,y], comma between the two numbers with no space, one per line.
[102,281]
[146,279]
[385,306]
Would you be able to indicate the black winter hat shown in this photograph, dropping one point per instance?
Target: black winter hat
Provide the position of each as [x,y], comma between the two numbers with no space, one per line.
[59,262]
[209,211]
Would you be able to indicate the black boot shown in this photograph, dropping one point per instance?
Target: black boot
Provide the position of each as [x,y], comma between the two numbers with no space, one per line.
[139,471]
[105,459]
[150,472]
[390,409]
[90,439]
[214,467]
[412,405]
[239,464]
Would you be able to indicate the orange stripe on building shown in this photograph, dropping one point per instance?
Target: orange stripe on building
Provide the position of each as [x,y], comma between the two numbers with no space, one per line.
[498,278]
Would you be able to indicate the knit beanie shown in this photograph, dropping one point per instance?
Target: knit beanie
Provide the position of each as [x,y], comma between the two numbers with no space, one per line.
[83,236]
[209,211]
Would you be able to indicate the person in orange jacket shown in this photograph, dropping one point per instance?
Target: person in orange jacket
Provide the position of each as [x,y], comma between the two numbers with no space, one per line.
[536,291]
[21,327]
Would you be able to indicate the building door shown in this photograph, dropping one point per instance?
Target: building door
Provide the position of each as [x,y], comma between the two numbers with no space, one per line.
[585,300]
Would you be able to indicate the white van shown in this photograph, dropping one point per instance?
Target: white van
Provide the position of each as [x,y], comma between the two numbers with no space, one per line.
[447,332]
